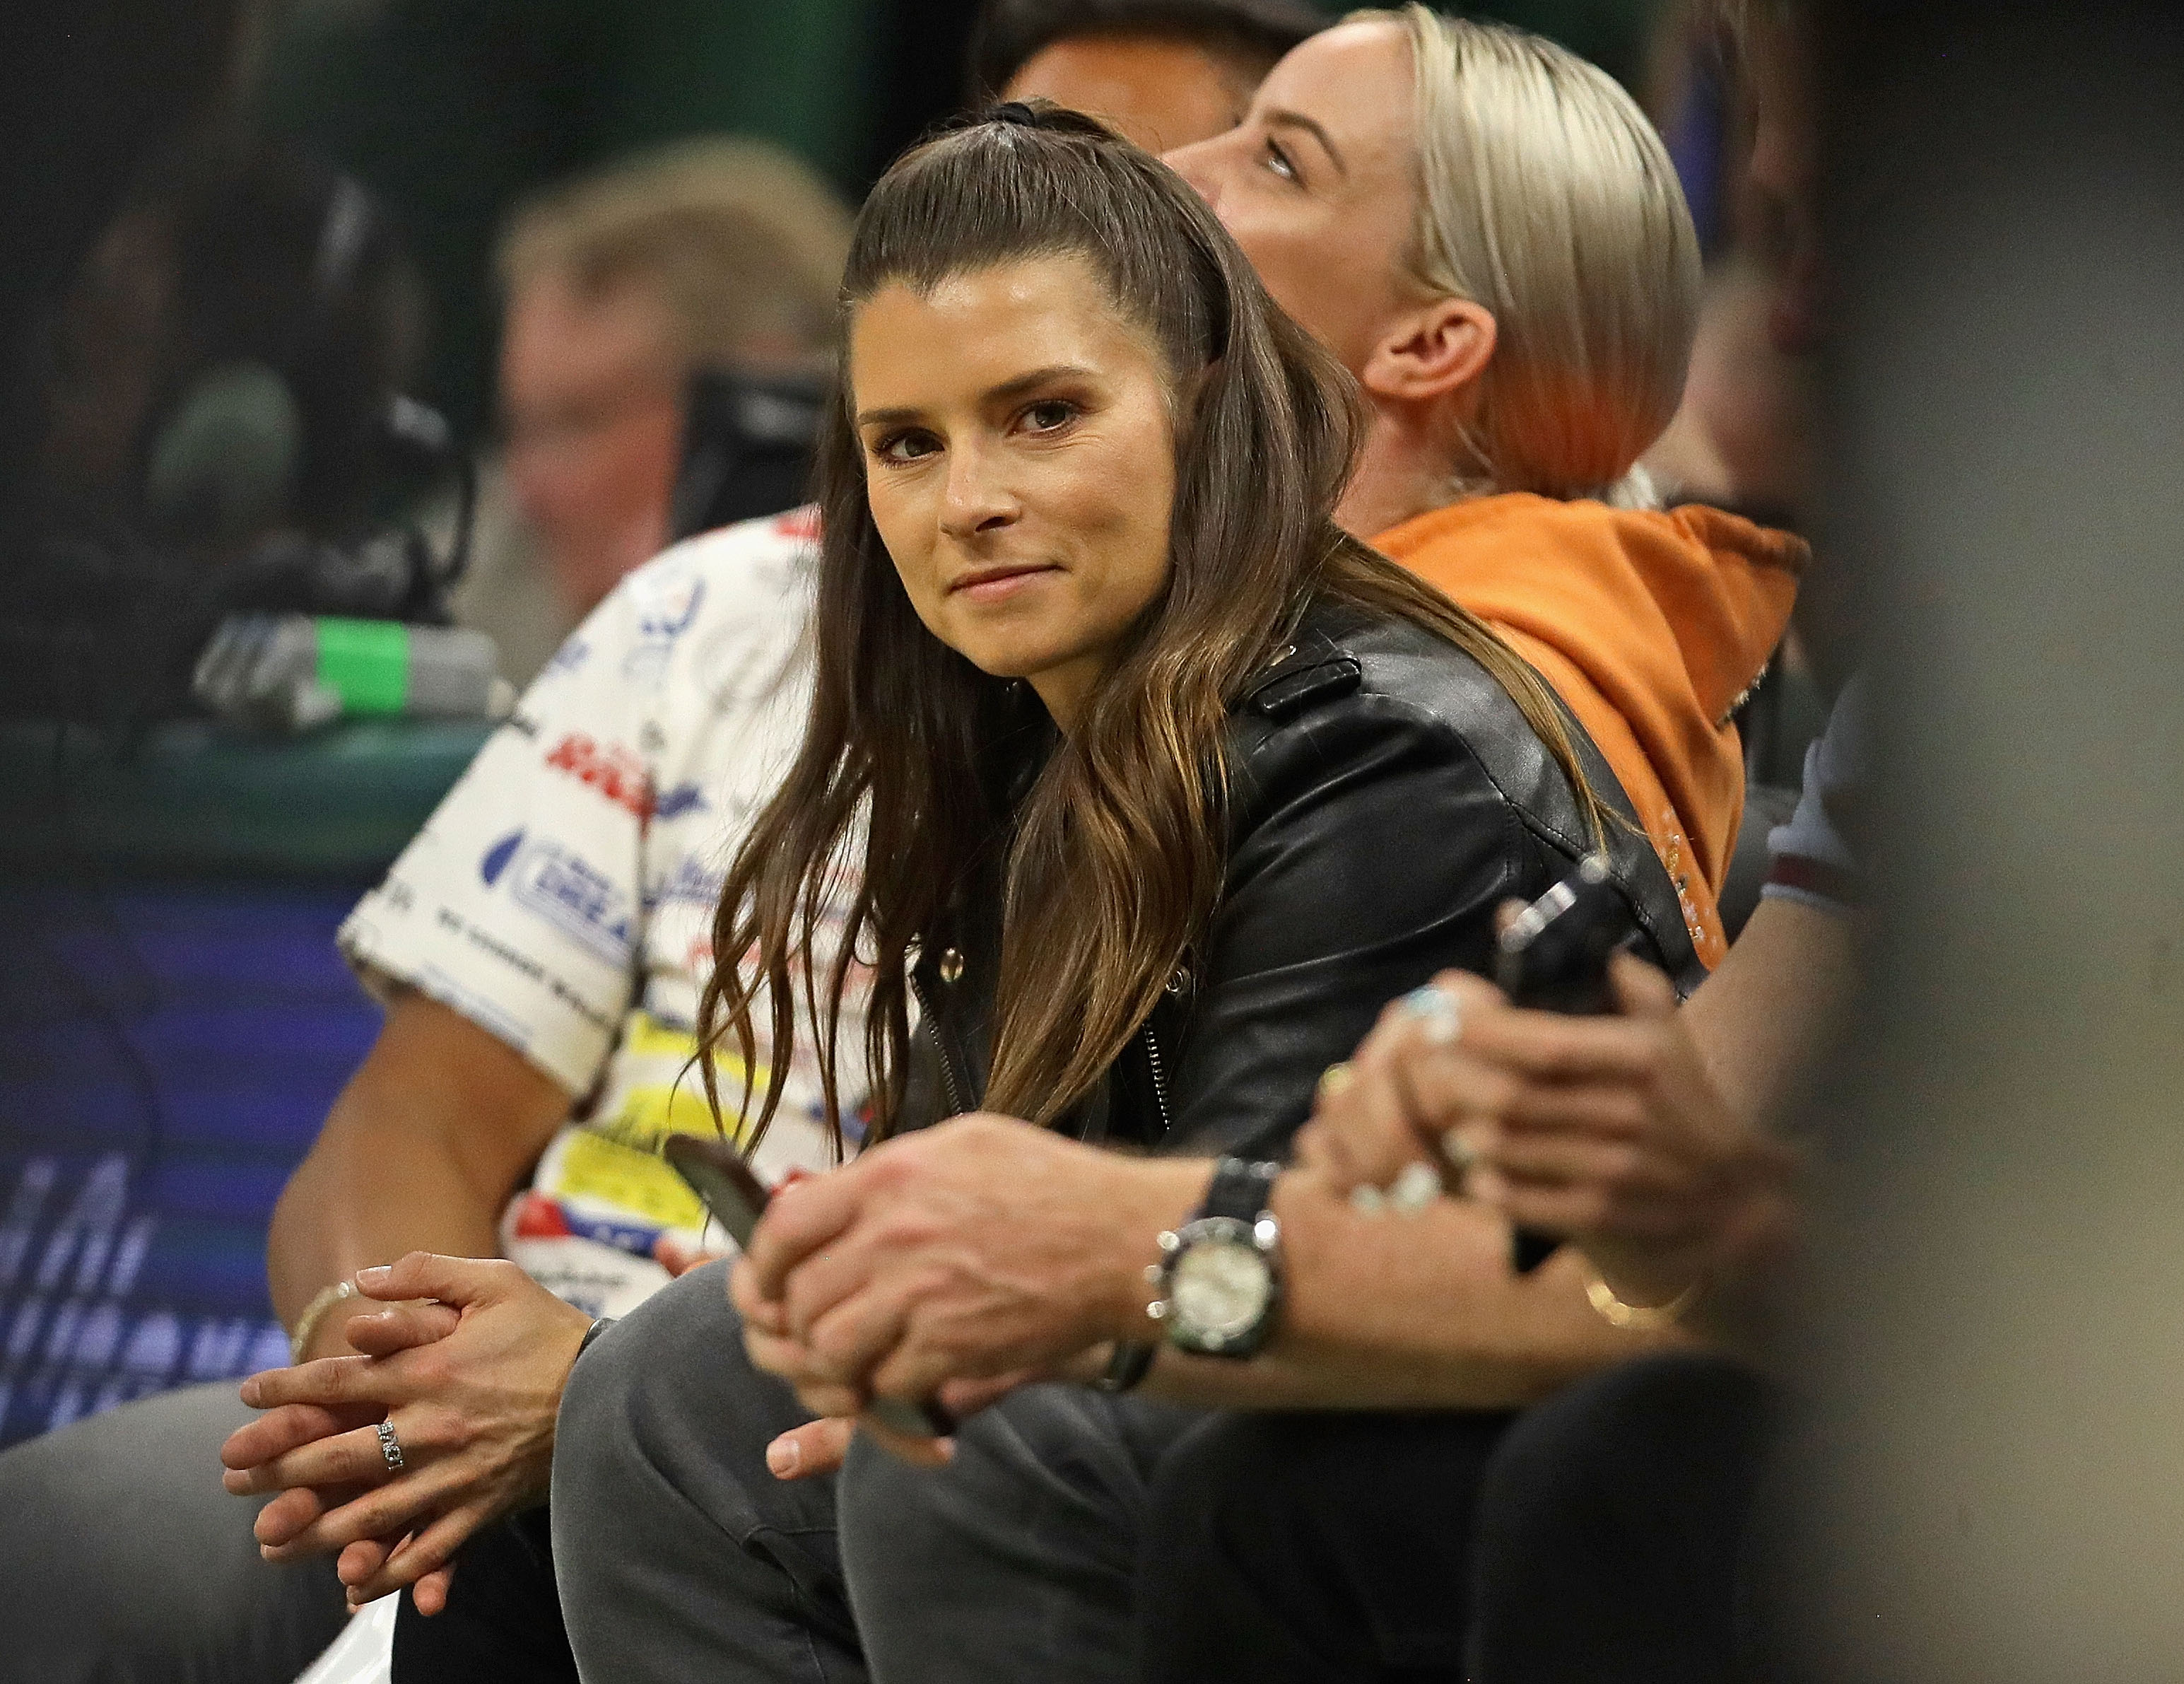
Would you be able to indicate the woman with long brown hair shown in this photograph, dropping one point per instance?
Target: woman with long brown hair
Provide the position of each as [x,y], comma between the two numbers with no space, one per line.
[1092,659]
[1150,788]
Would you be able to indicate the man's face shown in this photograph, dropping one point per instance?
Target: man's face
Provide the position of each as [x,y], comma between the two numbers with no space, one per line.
[1782,185]
[1316,183]
[591,403]
[1161,93]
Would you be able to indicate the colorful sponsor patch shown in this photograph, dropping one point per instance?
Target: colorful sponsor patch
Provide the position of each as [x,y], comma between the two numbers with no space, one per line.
[613,1183]
[540,1216]
[658,1090]
[609,1171]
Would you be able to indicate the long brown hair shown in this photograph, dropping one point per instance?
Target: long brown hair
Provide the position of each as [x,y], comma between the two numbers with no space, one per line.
[1113,857]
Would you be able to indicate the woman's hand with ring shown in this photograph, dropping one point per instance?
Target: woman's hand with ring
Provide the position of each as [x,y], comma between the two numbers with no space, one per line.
[1376,1132]
[472,1411]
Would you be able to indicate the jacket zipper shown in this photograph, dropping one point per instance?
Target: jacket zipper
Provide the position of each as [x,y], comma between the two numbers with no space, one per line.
[1160,1079]
[950,1089]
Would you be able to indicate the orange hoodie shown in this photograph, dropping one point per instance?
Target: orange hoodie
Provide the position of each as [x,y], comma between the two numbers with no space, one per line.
[1651,626]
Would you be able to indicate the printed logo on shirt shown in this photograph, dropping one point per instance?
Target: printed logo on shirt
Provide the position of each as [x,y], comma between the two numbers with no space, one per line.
[614,771]
[802,523]
[670,607]
[683,798]
[481,1007]
[610,1169]
[540,1216]
[666,609]
[558,886]
[497,856]
[693,881]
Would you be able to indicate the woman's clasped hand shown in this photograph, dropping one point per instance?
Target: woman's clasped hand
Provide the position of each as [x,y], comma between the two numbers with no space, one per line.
[466,1366]
[1606,1131]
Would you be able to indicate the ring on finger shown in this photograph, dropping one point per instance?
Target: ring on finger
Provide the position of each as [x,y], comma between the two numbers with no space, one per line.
[1334,1078]
[1438,1013]
[1462,1157]
[1416,1187]
[390,1447]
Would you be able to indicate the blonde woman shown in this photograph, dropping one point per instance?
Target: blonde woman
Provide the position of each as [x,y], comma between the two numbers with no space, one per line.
[1489,234]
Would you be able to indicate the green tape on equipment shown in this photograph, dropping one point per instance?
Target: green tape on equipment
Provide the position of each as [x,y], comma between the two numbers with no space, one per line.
[366,663]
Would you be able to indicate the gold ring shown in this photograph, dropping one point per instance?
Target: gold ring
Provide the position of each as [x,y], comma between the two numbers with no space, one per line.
[1334,1078]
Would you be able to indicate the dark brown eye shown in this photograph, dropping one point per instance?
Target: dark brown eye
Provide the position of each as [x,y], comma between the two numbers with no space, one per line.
[905,447]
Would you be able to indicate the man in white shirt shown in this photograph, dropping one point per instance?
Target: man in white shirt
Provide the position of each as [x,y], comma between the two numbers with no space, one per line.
[562,899]
[539,947]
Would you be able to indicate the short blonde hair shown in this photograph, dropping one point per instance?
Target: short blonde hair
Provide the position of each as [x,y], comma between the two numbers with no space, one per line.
[737,237]
[1545,196]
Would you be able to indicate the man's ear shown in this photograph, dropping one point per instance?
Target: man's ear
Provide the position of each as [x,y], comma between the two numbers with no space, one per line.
[1432,351]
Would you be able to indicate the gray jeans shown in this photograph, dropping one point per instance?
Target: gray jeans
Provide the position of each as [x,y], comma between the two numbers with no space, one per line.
[122,1560]
[680,1557]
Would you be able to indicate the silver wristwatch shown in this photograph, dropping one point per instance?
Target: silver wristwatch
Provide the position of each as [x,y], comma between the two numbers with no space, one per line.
[1220,1274]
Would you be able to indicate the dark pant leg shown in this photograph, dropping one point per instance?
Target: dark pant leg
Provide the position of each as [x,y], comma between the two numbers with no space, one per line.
[677,1554]
[1613,1528]
[1014,1562]
[503,1619]
[122,1561]
[1313,1546]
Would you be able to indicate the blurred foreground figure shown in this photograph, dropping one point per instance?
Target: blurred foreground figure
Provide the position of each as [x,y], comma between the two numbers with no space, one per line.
[714,255]
[1614,1535]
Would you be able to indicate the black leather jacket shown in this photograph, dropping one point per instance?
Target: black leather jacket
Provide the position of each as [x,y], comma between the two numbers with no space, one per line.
[1385,796]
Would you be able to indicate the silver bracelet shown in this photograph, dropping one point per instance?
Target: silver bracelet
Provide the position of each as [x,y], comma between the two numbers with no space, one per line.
[299,1335]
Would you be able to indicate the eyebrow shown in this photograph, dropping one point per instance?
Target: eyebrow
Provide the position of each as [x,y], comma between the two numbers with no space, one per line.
[999,394]
[1297,120]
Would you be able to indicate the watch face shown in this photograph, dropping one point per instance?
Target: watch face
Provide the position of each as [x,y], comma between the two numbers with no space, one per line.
[1220,1287]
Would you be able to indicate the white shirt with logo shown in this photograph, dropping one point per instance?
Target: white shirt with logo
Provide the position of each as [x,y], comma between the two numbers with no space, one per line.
[562,895]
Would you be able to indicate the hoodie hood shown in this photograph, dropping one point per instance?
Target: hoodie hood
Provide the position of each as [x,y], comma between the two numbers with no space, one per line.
[1651,626]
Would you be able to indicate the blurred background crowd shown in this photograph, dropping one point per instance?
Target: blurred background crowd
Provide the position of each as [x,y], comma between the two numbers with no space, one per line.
[543,223]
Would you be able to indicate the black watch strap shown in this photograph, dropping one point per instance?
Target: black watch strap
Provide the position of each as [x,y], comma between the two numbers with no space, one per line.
[1240,1188]
[1128,1364]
